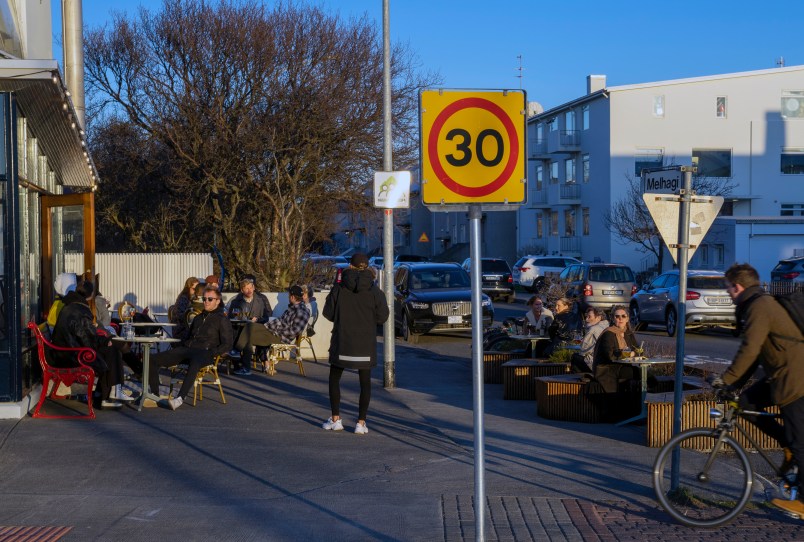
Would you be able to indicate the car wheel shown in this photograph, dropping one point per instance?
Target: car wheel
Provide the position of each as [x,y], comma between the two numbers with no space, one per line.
[671,321]
[407,334]
[635,321]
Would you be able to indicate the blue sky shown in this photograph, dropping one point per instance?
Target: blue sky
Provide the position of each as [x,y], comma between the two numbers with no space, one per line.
[475,43]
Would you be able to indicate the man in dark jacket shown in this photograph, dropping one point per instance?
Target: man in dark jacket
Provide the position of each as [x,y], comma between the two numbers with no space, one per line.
[355,306]
[249,306]
[210,336]
[773,340]
[74,328]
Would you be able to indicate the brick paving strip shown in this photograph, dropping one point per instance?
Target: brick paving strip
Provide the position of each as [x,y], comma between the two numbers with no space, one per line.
[554,519]
[32,534]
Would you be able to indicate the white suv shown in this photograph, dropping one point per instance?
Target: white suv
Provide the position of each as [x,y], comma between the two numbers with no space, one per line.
[529,271]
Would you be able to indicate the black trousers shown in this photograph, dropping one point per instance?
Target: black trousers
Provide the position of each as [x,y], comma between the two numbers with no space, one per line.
[758,397]
[195,358]
[335,391]
[253,335]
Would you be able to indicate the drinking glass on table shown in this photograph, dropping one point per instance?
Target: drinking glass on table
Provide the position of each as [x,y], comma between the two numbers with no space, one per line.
[235,313]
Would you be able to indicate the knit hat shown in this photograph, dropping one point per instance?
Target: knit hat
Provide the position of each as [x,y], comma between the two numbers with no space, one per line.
[296,291]
[359,260]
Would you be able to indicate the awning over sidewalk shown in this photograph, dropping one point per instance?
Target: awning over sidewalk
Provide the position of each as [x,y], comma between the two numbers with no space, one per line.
[44,101]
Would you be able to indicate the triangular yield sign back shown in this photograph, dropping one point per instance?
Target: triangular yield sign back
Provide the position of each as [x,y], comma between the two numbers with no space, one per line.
[664,211]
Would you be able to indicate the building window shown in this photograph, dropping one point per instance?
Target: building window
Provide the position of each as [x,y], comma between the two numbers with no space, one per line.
[718,253]
[585,168]
[569,170]
[585,117]
[553,172]
[585,217]
[712,162]
[569,120]
[793,104]
[792,161]
[553,124]
[539,226]
[658,106]
[553,222]
[703,255]
[647,159]
[539,132]
[792,209]
[569,222]
[720,107]
[539,177]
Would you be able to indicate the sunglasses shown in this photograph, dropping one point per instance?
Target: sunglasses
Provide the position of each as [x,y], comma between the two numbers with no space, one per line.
[210,299]
[621,316]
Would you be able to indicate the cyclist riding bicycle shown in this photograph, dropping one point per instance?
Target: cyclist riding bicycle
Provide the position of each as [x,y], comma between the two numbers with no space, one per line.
[769,338]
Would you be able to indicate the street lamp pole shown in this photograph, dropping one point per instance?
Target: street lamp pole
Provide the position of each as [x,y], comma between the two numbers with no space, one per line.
[389,336]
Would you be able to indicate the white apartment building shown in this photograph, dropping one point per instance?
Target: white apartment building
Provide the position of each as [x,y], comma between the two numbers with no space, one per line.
[745,127]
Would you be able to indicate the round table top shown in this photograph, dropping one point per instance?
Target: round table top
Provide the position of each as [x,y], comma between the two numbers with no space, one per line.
[147,339]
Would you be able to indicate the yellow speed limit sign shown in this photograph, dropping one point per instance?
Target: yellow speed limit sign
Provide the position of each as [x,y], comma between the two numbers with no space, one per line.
[473,146]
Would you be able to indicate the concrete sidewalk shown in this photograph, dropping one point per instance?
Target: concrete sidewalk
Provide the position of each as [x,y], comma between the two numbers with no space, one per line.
[261,468]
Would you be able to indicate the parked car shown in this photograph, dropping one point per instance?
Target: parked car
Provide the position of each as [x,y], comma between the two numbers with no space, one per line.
[708,304]
[788,275]
[433,298]
[496,278]
[410,258]
[376,261]
[530,271]
[599,285]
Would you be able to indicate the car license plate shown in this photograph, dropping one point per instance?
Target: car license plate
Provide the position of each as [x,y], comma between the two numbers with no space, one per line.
[612,292]
[454,319]
[718,300]
[491,277]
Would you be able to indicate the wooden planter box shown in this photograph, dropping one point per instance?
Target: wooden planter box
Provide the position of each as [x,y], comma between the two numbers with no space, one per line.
[696,414]
[492,365]
[563,397]
[519,376]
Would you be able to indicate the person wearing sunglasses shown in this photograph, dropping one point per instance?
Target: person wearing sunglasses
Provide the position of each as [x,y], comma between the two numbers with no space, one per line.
[615,343]
[210,336]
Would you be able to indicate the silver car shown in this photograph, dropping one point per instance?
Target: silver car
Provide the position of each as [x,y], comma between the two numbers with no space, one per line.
[707,305]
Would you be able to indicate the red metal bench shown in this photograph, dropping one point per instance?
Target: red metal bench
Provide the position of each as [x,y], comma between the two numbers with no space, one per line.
[83,374]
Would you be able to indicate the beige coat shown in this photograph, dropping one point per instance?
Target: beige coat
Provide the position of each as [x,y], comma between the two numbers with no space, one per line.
[765,323]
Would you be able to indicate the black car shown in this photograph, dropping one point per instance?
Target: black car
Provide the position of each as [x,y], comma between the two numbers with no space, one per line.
[433,298]
[496,278]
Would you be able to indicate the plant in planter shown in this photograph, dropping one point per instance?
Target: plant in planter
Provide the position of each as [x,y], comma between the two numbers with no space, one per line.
[562,355]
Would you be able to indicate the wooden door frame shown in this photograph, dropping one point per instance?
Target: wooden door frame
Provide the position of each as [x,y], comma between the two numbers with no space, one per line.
[87,201]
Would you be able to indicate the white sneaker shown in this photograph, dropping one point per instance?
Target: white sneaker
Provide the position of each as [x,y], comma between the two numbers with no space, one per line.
[111,403]
[119,395]
[175,403]
[361,429]
[336,425]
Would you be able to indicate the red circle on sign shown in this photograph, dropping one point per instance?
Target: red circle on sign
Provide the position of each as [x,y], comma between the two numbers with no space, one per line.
[432,147]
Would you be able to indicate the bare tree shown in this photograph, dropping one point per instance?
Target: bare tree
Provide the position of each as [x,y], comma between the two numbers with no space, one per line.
[266,122]
[631,224]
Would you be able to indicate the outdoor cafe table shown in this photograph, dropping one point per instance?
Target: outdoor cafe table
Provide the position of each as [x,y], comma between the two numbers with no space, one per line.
[146,342]
[643,364]
[534,340]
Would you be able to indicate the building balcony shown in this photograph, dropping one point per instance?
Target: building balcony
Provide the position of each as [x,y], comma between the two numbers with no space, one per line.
[564,194]
[538,150]
[538,199]
[564,141]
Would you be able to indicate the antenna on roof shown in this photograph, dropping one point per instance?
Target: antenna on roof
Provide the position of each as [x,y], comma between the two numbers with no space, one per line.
[520,69]
[780,62]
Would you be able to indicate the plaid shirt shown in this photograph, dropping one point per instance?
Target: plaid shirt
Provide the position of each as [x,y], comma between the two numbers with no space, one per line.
[292,322]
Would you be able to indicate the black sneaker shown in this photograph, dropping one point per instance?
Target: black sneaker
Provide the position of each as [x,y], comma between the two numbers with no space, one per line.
[242,371]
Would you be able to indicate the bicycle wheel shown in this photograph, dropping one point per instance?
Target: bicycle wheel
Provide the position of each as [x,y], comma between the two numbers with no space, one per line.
[714,487]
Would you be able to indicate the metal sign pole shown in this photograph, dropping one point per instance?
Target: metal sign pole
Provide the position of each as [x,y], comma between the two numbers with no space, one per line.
[475,213]
[388,334]
[683,249]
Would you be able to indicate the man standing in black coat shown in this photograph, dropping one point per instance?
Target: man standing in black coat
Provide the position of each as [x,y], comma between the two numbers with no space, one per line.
[355,306]
[210,336]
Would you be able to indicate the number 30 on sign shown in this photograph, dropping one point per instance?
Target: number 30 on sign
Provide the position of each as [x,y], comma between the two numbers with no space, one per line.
[473,146]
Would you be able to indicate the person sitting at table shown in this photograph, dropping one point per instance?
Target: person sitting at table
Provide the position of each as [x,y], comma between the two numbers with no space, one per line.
[537,320]
[183,304]
[564,327]
[617,342]
[75,328]
[596,324]
[252,306]
[63,285]
[212,280]
[210,336]
[284,329]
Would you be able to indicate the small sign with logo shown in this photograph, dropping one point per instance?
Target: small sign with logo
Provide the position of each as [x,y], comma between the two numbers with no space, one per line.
[392,189]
